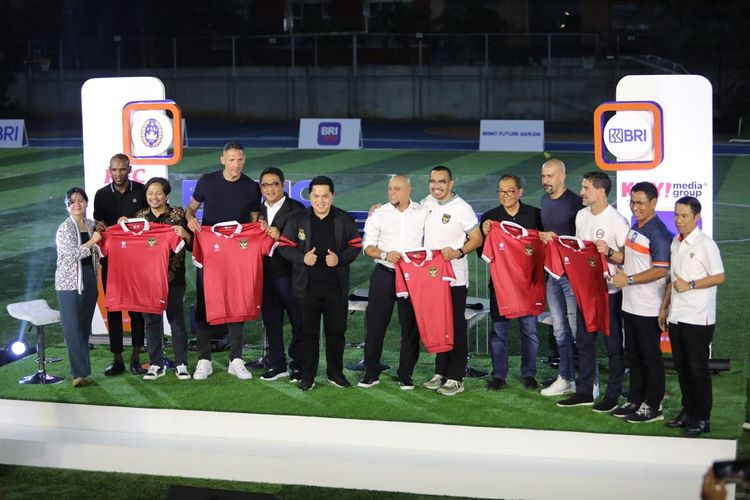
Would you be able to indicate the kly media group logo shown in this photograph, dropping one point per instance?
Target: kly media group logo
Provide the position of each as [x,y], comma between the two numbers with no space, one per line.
[329,133]
[633,135]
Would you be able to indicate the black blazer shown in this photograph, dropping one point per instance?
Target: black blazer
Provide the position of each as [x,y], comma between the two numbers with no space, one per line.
[297,236]
[277,266]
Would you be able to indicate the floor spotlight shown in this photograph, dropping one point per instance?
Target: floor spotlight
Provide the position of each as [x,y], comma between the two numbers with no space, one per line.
[17,349]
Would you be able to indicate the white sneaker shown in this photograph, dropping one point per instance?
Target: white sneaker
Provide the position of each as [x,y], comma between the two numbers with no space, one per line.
[434,383]
[451,387]
[182,372]
[237,368]
[559,387]
[154,372]
[203,370]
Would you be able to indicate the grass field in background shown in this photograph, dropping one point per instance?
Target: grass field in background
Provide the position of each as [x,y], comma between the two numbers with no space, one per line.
[33,182]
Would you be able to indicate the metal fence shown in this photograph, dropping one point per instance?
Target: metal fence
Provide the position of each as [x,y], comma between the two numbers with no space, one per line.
[323,49]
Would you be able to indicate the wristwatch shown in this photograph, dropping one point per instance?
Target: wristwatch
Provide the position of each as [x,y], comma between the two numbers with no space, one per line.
[691,284]
[610,252]
[630,279]
[383,255]
[461,253]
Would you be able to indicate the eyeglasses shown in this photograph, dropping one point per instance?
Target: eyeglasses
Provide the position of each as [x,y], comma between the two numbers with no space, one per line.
[269,185]
[510,192]
[638,204]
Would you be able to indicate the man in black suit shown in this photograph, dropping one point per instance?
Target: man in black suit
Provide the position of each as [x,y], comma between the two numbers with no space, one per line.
[276,211]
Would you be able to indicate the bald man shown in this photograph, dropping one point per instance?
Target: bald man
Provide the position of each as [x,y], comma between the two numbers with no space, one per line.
[560,206]
[390,230]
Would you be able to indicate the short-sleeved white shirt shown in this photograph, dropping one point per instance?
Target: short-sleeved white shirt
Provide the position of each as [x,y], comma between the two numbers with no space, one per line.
[693,258]
[446,225]
[609,226]
[389,229]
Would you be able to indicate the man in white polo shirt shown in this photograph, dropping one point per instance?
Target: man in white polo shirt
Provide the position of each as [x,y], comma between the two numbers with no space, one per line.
[452,227]
[689,313]
[390,230]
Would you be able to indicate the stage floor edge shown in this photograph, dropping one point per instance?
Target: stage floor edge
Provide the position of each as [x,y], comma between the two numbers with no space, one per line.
[388,456]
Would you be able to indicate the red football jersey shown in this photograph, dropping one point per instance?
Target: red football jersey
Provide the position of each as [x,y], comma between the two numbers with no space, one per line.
[516,258]
[231,255]
[587,271]
[425,277]
[138,260]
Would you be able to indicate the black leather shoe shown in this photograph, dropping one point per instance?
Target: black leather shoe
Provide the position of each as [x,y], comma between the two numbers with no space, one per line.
[697,428]
[116,368]
[530,383]
[136,368]
[680,421]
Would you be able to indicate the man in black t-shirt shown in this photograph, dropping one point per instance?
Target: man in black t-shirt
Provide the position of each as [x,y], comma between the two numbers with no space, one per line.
[120,198]
[226,195]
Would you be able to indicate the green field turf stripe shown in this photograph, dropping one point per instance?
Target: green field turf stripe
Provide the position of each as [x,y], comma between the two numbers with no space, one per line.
[27,273]
[298,164]
[17,161]
[61,174]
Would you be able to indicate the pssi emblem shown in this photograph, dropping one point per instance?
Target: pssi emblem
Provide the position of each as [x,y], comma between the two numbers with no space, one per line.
[528,250]
[446,218]
[151,242]
[243,244]
[433,269]
[591,261]
[301,234]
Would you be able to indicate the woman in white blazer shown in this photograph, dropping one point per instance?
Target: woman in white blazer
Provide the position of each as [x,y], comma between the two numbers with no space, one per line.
[75,282]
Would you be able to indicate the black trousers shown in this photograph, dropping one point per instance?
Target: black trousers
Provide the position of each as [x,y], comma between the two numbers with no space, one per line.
[329,303]
[204,334]
[155,329]
[114,322]
[382,297]
[586,345]
[643,352]
[278,297]
[452,364]
[690,351]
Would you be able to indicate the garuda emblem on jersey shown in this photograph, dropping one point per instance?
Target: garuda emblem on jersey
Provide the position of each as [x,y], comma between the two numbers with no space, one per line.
[433,269]
[243,244]
[301,234]
[446,218]
[528,250]
[151,242]
[591,261]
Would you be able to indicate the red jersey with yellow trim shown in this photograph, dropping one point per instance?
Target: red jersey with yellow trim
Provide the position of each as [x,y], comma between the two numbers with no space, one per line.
[587,271]
[137,252]
[516,258]
[231,255]
[425,277]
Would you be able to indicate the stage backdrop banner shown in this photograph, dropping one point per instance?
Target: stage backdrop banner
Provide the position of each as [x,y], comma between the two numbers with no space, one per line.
[13,134]
[661,132]
[511,135]
[330,133]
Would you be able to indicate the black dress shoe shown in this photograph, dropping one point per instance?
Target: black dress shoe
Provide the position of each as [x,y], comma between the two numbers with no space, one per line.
[530,383]
[136,368]
[680,421]
[116,368]
[697,428]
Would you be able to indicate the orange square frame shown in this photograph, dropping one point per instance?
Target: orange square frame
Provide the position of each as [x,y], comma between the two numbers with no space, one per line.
[658,135]
[127,139]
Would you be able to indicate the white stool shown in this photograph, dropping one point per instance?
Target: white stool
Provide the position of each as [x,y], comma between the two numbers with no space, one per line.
[38,313]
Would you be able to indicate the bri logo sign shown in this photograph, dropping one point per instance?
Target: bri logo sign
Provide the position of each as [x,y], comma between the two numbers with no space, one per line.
[329,134]
[633,135]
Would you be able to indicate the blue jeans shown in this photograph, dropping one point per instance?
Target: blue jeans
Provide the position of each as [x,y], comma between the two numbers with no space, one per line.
[499,343]
[562,307]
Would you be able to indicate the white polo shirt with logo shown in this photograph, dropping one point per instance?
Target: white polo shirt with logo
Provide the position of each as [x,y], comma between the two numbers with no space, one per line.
[447,225]
[609,226]
[693,258]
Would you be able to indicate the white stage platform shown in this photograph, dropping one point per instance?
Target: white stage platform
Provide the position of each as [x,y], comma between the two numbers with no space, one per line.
[392,456]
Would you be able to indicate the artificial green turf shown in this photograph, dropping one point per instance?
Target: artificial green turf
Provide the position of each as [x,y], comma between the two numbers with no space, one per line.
[513,407]
[21,483]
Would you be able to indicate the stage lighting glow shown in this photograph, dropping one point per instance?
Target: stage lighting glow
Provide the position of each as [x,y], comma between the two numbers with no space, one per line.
[18,347]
